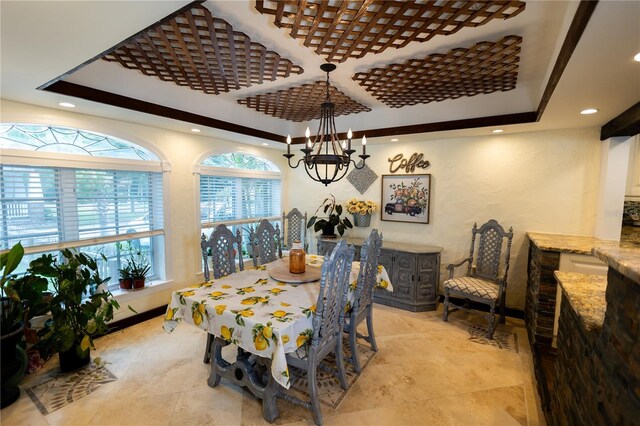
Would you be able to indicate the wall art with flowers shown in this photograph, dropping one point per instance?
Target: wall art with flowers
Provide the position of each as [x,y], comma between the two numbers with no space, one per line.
[405,198]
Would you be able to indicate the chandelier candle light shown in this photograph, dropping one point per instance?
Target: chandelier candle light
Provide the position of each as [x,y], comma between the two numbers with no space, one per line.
[327,158]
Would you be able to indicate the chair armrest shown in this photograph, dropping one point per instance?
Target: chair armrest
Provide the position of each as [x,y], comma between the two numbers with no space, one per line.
[452,266]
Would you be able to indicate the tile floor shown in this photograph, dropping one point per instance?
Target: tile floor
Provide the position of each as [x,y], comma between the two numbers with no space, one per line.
[426,372]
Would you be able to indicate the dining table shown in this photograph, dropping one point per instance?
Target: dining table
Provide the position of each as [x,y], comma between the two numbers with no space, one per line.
[265,317]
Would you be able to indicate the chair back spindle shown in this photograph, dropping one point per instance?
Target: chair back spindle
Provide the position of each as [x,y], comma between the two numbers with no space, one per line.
[220,248]
[369,256]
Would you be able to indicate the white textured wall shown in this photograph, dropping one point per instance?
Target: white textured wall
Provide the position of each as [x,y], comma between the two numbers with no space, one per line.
[543,181]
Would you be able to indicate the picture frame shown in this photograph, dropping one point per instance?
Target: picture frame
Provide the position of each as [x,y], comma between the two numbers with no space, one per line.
[406,198]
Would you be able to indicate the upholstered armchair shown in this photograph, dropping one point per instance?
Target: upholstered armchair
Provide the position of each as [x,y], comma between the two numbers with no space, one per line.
[486,278]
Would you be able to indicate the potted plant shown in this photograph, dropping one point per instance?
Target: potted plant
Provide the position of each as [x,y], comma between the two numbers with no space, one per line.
[139,267]
[125,280]
[21,297]
[80,307]
[333,220]
[361,211]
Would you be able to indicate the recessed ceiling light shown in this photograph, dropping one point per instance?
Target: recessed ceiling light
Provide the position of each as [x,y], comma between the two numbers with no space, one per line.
[498,131]
[394,140]
[588,111]
[194,130]
[265,144]
[637,57]
[66,104]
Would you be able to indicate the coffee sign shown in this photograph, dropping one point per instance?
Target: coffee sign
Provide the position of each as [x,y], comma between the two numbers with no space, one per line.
[415,161]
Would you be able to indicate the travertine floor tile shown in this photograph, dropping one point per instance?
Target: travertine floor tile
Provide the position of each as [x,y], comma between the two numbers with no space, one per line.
[426,372]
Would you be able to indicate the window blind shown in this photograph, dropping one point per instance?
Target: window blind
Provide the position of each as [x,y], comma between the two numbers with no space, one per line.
[225,198]
[50,206]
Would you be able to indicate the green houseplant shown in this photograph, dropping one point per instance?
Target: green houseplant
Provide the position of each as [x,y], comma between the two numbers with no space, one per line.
[333,220]
[21,297]
[80,307]
[139,267]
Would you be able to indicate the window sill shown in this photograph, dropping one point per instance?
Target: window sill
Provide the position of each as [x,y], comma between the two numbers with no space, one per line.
[149,288]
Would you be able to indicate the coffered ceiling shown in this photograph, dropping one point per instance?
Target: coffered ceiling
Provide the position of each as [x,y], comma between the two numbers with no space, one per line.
[250,70]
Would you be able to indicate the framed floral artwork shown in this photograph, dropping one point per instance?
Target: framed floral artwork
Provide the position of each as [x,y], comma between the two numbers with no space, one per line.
[405,198]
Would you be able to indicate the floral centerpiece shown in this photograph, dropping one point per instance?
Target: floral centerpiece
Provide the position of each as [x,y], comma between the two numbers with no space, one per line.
[361,211]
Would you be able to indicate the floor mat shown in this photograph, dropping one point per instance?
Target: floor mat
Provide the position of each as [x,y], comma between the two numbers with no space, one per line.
[329,390]
[62,389]
[501,339]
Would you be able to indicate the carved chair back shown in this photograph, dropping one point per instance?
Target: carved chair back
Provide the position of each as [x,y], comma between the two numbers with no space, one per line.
[487,257]
[334,282]
[294,227]
[265,243]
[220,247]
[369,256]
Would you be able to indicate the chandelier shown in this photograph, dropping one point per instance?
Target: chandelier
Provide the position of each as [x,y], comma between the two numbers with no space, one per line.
[327,159]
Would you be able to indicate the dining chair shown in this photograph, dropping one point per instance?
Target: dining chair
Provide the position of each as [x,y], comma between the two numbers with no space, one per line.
[265,243]
[486,279]
[294,227]
[363,301]
[328,323]
[220,248]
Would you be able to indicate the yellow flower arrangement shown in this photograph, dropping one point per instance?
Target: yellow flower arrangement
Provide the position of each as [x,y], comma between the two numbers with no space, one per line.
[355,206]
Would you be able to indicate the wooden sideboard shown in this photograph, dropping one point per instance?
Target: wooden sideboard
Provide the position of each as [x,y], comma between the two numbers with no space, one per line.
[414,271]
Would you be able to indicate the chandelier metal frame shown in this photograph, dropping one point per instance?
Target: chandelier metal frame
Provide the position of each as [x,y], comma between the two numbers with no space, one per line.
[327,159]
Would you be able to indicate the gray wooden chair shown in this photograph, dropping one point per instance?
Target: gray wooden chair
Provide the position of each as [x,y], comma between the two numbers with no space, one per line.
[328,323]
[265,243]
[294,227]
[486,279]
[220,248]
[363,301]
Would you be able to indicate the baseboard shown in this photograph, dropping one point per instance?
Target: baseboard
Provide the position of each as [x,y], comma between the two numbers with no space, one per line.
[137,319]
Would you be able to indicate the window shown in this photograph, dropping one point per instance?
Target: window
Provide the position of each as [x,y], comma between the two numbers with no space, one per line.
[53,198]
[237,188]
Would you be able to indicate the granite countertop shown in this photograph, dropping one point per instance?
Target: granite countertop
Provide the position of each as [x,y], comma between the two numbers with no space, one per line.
[620,257]
[586,295]
[564,243]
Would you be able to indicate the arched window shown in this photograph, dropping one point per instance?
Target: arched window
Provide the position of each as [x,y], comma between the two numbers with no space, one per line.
[238,188]
[75,188]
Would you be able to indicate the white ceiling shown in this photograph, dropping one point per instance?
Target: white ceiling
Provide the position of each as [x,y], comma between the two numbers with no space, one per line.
[43,40]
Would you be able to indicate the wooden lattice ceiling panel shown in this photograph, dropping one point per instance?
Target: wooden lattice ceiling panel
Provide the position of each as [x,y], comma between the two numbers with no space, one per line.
[483,68]
[202,52]
[302,103]
[340,30]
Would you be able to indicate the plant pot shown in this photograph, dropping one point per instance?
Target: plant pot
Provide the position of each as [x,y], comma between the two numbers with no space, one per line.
[362,220]
[13,364]
[138,282]
[328,230]
[69,360]
[126,284]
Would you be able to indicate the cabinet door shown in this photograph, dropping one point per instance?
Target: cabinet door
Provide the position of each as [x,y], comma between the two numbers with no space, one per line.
[427,275]
[404,269]
[326,247]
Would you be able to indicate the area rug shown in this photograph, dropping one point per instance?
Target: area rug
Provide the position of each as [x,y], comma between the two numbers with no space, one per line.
[61,389]
[329,390]
[501,339]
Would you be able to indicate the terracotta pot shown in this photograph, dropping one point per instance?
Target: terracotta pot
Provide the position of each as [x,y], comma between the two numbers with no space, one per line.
[138,282]
[126,284]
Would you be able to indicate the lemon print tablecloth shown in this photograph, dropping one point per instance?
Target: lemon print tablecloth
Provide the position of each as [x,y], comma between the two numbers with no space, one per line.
[261,315]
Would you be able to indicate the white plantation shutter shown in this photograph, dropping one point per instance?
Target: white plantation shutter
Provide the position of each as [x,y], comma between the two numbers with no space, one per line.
[57,207]
[229,198]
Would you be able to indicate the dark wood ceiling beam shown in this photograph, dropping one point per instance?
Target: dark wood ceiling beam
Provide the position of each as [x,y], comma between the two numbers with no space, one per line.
[469,123]
[626,124]
[579,23]
[100,96]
